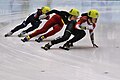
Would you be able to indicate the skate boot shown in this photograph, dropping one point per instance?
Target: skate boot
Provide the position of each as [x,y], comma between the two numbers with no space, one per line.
[27,38]
[22,34]
[8,34]
[46,47]
[66,46]
[71,44]
[40,39]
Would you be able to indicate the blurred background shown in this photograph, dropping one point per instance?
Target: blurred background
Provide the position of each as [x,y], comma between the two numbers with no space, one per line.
[12,7]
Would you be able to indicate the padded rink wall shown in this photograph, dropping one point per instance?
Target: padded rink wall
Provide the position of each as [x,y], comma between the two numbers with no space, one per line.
[26,7]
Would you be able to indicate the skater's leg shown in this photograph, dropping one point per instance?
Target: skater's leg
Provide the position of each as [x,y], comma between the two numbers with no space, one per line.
[69,29]
[56,29]
[24,24]
[65,37]
[50,23]
[78,34]
[57,40]
[61,39]
[33,27]
[44,29]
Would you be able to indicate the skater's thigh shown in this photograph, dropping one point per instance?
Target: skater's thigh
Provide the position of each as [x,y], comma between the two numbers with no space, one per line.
[77,32]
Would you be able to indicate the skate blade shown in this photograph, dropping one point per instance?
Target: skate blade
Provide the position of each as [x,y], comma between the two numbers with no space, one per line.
[6,36]
[61,47]
[37,41]
[19,35]
[23,40]
[44,48]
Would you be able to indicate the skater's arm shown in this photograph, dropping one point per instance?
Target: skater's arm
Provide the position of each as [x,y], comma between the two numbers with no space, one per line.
[53,11]
[44,16]
[57,12]
[92,38]
[64,15]
[80,21]
[61,13]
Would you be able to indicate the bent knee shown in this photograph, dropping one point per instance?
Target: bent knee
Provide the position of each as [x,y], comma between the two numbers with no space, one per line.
[65,37]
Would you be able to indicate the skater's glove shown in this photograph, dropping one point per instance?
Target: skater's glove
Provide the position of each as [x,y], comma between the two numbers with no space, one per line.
[43,16]
[83,27]
[40,22]
[86,27]
[90,27]
[80,27]
[95,46]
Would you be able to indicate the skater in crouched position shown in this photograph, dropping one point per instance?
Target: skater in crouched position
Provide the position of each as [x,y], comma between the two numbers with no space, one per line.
[86,22]
[56,22]
[33,19]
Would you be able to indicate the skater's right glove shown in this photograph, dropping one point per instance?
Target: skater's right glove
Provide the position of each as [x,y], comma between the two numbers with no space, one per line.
[80,27]
[86,27]
[95,46]
[42,16]
[83,27]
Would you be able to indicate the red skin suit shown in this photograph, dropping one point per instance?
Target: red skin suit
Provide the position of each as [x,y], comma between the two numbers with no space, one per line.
[55,21]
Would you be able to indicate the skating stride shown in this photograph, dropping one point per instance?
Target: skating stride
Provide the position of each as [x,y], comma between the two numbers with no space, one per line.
[34,19]
[56,22]
[87,21]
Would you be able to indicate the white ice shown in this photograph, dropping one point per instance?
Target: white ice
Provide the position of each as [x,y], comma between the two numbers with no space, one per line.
[27,61]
